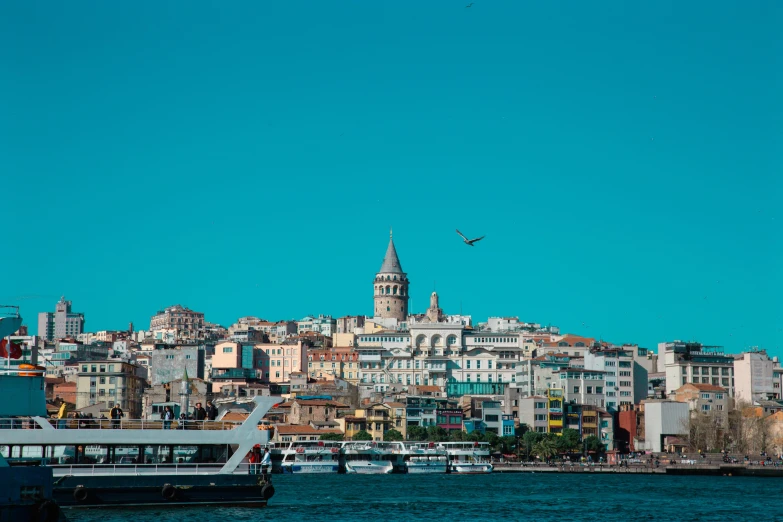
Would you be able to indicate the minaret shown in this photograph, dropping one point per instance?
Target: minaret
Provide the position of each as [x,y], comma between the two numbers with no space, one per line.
[434,313]
[184,394]
[390,288]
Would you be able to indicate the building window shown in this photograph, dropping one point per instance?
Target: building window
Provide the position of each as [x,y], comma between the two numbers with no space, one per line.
[228,349]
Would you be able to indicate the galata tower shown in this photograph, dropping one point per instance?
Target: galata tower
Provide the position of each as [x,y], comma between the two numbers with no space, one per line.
[391,287]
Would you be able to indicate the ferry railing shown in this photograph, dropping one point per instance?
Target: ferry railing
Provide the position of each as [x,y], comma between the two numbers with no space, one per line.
[151,469]
[125,424]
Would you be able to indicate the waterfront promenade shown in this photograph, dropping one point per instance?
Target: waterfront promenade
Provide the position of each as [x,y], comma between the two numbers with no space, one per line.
[756,469]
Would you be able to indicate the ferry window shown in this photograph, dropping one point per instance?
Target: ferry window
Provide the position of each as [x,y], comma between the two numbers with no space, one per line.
[185,454]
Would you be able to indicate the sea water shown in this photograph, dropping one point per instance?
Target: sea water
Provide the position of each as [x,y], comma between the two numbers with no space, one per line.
[518,496]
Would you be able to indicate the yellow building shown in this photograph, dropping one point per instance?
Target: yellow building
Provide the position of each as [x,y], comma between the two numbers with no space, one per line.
[375,419]
[555,410]
[344,339]
[328,364]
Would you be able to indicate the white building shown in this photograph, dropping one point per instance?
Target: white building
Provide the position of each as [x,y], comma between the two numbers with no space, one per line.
[753,377]
[323,324]
[663,419]
[61,323]
[618,367]
[582,386]
[533,411]
[685,362]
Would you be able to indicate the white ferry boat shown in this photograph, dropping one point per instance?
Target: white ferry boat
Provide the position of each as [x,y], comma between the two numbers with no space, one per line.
[370,457]
[468,457]
[425,457]
[306,457]
[140,463]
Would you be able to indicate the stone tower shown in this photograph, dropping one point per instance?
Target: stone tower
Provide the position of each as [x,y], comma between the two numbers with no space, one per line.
[434,313]
[390,294]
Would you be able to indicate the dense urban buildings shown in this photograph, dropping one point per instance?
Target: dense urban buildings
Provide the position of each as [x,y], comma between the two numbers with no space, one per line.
[182,322]
[400,373]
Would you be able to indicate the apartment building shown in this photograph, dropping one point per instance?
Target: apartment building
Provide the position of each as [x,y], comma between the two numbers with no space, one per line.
[186,323]
[693,362]
[61,323]
[618,367]
[110,382]
[754,377]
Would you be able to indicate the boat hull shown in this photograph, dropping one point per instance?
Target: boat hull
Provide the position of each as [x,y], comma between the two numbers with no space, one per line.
[471,468]
[434,468]
[368,468]
[159,490]
[311,468]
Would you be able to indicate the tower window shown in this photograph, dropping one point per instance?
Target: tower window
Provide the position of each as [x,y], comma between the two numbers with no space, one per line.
[388,309]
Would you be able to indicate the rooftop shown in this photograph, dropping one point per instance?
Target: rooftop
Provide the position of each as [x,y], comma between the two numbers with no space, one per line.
[391,263]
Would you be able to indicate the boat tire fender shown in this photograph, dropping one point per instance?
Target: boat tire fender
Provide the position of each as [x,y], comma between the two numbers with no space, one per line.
[80,494]
[267,491]
[169,492]
[48,511]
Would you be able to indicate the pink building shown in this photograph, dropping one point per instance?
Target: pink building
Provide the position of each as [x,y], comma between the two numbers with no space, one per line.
[275,362]
[233,363]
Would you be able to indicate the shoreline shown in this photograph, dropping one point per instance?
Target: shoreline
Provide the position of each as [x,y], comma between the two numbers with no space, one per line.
[728,470]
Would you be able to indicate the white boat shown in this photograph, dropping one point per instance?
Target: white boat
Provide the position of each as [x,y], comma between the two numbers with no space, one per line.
[425,457]
[140,463]
[370,457]
[468,457]
[306,457]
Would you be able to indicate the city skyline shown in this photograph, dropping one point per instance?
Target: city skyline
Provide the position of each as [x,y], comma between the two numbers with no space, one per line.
[144,323]
[621,162]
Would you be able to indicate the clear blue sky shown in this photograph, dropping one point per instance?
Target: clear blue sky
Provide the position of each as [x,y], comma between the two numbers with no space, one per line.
[248,158]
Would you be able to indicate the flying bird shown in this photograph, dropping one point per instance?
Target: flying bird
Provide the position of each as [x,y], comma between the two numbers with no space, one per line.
[470,241]
[469,5]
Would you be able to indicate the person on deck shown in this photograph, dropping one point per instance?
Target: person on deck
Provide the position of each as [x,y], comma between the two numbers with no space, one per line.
[266,463]
[167,417]
[254,459]
[199,412]
[116,415]
[212,412]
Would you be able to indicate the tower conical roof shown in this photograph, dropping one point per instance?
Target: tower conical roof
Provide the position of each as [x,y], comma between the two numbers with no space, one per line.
[391,263]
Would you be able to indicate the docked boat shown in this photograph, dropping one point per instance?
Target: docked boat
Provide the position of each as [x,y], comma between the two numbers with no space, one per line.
[143,464]
[425,457]
[468,457]
[370,457]
[306,457]
[26,483]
